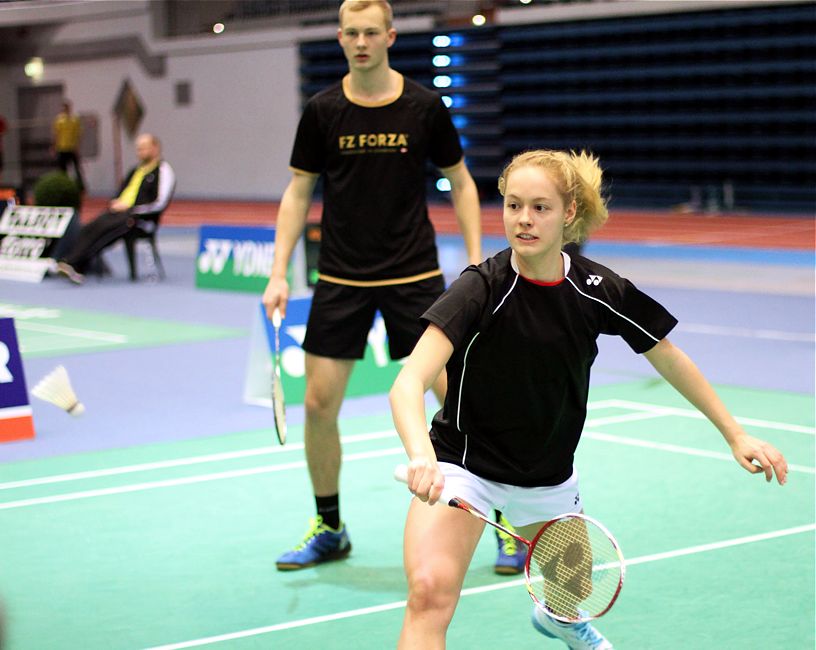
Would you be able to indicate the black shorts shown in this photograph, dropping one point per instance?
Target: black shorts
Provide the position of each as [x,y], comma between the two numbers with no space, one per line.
[341,317]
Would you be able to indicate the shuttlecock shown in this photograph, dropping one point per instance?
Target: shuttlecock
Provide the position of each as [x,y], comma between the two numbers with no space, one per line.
[56,388]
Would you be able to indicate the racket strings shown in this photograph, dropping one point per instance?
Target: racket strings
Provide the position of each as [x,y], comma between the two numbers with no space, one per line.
[280,412]
[575,569]
[278,403]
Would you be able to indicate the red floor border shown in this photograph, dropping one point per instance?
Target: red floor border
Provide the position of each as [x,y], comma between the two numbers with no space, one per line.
[658,227]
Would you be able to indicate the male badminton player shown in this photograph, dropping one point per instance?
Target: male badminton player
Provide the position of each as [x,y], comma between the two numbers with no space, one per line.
[369,136]
[518,334]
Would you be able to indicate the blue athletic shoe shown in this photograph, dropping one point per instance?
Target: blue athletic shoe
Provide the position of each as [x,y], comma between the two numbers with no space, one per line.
[512,554]
[321,544]
[577,636]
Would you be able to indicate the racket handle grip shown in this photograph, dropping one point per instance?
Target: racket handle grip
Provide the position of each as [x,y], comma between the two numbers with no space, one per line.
[401,473]
[276,318]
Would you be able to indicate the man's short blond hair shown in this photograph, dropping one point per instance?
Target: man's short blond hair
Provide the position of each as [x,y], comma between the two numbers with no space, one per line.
[359,5]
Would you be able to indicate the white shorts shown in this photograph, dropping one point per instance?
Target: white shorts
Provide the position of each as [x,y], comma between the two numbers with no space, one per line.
[521,505]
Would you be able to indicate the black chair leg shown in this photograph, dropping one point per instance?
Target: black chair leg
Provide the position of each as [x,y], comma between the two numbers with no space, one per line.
[130,247]
[156,258]
[132,253]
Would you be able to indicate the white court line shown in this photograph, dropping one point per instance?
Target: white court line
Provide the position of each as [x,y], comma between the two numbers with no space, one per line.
[626,417]
[259,451]
[745,332]
[187,480]
[62,345]
[692,413]
[285,626]
[393,451]
[180,462]
[472,591]
[601,404]
[245,453]
[592,435]
[73,331]
[676,449]
[646,411]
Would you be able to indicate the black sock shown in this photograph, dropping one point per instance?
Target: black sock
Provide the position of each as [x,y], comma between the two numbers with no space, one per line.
[329,509]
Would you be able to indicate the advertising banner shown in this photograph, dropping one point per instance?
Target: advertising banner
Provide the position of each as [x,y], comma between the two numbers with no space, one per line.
[373,375]
[16,422]
[235,258]
[26,234]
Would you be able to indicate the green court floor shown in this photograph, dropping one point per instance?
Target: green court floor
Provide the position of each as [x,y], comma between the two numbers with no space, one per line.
[173,545]
[50,331]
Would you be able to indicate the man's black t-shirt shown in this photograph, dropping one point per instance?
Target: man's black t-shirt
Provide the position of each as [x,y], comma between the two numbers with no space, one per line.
[518,379]
[373,160]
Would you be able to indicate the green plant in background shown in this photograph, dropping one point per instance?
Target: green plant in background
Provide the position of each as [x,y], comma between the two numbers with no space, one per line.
[57,189]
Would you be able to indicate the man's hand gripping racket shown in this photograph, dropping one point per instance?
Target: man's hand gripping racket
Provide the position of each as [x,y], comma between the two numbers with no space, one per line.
[278,405]
[574,569]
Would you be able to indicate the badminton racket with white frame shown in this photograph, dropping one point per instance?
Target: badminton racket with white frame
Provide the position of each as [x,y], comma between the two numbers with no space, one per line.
[574,569]
[278,403]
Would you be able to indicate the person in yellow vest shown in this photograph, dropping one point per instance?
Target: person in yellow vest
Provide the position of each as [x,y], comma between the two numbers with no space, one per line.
[67,131]
[142,197]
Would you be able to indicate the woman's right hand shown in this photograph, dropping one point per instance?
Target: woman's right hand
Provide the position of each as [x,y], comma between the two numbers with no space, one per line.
[425,479]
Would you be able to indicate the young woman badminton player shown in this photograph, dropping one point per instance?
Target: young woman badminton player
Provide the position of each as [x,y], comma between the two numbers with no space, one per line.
[518,336]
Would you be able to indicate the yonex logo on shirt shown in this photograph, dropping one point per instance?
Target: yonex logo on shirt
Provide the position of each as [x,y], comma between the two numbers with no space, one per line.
[594,279]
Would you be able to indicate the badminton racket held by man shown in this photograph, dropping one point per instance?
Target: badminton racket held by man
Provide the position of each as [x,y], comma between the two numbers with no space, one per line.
[278,400]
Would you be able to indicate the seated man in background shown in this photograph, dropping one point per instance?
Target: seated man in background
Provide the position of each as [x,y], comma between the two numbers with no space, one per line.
[143,195]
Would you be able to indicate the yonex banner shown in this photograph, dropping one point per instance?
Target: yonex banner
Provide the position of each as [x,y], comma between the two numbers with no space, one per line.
[16,422]
[234,258]
[373,375]
[240,258]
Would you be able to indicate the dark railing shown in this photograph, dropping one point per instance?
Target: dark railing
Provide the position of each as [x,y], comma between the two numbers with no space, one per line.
[719,104]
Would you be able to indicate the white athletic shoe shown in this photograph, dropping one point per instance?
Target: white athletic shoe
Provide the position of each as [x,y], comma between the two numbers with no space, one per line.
[577,636]
[70,272]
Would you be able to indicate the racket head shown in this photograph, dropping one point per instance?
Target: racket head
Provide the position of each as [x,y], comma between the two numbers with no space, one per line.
[575,568]
[279,407]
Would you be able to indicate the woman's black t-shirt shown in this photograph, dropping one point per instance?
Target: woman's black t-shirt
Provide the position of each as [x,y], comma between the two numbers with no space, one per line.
[518,379]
